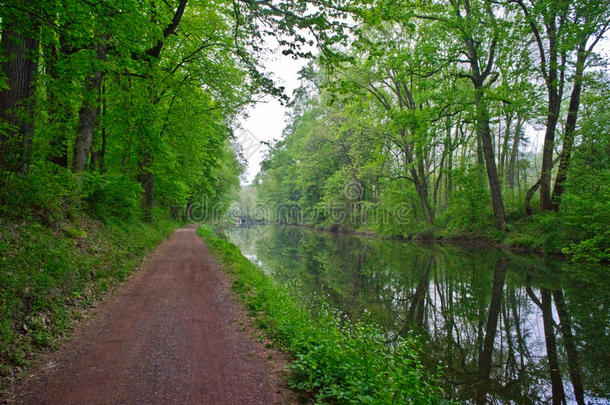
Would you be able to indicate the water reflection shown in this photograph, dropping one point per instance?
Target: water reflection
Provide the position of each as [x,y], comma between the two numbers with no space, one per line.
[508,328]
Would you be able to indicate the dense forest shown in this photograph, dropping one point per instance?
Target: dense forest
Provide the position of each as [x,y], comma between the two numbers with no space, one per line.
[427,107]
[424,121]
[122,105]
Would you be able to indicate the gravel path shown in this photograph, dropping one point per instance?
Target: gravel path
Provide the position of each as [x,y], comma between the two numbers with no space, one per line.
[173,334]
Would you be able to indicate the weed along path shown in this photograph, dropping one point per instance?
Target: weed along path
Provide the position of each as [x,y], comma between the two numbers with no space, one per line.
[173,334]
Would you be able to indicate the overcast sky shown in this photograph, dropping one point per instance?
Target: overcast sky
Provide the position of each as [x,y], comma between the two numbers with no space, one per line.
[266,120]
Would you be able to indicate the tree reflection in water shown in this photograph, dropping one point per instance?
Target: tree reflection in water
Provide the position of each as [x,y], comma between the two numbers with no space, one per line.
[507,328]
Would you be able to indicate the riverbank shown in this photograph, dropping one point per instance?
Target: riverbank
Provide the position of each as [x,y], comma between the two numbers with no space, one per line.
[536,235]
[334,359]
[54,274]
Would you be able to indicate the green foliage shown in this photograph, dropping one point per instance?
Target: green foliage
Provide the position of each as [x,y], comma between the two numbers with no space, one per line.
[129,117]
[111,196]
[45,190]
[337,360]
[469,204]
[585,209]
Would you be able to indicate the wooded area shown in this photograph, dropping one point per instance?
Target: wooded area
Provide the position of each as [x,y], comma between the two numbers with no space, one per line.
[434,106]
[130,105]
[481,120]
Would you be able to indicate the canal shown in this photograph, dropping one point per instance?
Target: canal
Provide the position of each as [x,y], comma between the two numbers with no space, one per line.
[505,327]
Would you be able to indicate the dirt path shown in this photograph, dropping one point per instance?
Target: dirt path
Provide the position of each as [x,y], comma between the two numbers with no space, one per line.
[172,335]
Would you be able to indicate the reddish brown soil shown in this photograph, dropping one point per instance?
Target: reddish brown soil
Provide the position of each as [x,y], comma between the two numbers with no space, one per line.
[172,335]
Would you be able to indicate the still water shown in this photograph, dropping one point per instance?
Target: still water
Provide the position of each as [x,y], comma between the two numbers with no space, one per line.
[507,328]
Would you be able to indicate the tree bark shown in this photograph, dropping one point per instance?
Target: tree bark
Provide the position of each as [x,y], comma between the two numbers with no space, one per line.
[16,104]
[510,173]
[87,115]
[449,174]
[484,136]
[102,163]
[528,197]
[421,186]
[422,193]
[570,130]
[554,104]
[504,149]
[547,152]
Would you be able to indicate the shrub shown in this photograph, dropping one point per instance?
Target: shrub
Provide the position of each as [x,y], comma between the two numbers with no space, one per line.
[111,196]
[469,205]
[45,190]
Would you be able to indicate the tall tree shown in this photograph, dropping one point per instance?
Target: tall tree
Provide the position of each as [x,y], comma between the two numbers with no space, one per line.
[19,46]
[561,28]
[593,21]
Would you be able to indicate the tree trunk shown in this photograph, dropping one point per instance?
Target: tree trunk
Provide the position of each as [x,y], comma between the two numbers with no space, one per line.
[484,136]
[58,108]
[420,184]
[20,49]
[102,157]
[147,180]
[570,130]
[528,197]
[449,176]
[530,193]
[504,151]
[439,177]
[554,105]
[87,115]
[422,193]
[510,173]
[547,152]
[175,212]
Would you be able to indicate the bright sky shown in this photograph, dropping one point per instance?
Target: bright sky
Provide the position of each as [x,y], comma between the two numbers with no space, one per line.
[266,120]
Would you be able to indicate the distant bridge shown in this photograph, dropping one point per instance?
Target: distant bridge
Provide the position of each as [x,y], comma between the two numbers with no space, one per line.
[245,220]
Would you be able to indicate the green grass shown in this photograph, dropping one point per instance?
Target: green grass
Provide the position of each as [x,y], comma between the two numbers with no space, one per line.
[335,360]
[50,274]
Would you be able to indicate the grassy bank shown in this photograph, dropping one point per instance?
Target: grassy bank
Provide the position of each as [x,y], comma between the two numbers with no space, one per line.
[542,234]
[51,274]
[336,361]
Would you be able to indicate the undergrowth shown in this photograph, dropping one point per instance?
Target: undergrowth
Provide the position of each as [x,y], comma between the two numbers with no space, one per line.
[335,360]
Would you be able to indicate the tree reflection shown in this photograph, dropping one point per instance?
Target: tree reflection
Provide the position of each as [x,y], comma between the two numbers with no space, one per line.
[506,328]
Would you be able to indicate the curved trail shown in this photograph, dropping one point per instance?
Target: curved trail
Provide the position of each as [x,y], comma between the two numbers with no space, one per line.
[173,334]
